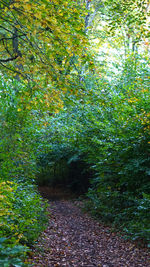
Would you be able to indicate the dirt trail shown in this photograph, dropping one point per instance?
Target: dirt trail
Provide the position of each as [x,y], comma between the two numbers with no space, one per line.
[73,239]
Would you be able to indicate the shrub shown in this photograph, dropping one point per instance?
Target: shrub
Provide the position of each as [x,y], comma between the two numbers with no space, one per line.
[22,217]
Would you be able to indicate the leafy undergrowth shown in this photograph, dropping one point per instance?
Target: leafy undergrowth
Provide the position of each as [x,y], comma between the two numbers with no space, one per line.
[75,239]
[107,134]
[123,212]
[22,217]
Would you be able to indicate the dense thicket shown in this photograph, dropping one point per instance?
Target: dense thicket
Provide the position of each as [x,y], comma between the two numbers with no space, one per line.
[107,128]
[41,51]
[73,114]
[22,212]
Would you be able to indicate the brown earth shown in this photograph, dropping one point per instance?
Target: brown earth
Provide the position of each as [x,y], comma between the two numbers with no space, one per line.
[74,239]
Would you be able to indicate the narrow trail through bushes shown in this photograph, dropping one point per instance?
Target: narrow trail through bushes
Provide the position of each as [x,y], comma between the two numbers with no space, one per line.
[74,239]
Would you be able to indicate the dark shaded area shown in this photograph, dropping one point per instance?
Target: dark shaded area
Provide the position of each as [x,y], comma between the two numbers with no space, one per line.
[78,176]
[73,175]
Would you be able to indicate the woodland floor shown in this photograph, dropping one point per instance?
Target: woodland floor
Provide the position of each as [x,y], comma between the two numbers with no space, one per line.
[74,239]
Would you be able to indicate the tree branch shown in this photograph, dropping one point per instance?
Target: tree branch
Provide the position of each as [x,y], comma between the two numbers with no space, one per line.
[8,59]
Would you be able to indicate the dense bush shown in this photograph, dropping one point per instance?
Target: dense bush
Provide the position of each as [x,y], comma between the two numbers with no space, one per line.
[21,219]
[22,211]
[102,135]
[108,126]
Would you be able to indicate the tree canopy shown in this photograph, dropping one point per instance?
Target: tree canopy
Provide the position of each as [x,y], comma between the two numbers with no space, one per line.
[39,41]
[74,111]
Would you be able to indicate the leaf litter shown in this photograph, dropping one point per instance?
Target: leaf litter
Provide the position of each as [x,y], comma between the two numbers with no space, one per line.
[74,239]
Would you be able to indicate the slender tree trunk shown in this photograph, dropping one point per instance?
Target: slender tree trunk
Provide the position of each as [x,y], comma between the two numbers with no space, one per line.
[16,50]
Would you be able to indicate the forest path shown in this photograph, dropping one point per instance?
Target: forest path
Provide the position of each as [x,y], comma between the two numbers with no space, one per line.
[74,239]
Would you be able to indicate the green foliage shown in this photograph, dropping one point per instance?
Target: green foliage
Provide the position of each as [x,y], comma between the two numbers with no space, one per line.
[122,210]
[28,206]
[11,255]
[11,252]
[39,41]
[107,125]
[83,125]
[22,217]
[22,211]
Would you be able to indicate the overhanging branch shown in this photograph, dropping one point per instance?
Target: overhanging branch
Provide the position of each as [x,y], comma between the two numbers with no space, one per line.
[8,59]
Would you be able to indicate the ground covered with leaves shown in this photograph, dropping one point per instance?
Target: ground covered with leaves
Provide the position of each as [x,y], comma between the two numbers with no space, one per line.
[75,239]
